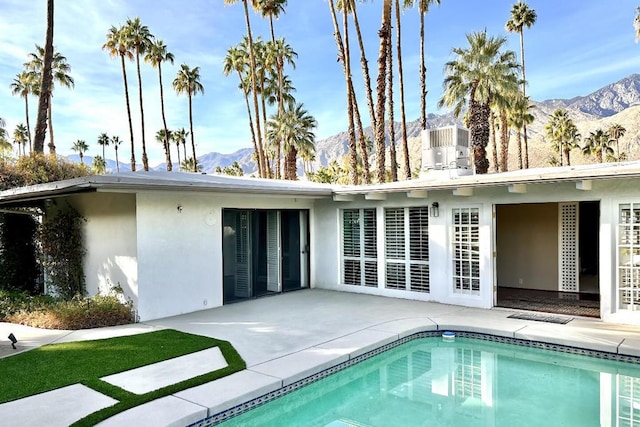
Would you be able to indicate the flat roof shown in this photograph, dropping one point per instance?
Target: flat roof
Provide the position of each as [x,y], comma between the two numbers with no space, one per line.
[448,179]
[133,182]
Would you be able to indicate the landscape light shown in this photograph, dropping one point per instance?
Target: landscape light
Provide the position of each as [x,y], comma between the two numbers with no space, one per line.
[13,340]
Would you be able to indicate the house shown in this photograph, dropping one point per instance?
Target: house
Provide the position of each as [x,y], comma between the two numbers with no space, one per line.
[178,242]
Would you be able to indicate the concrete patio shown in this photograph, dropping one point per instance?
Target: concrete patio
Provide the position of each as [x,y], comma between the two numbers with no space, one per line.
[289,337]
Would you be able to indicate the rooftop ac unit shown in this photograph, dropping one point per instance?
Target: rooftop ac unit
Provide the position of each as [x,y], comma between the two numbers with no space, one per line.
[446,148]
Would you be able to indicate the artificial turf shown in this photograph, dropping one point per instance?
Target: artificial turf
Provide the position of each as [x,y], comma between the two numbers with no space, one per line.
[57,365]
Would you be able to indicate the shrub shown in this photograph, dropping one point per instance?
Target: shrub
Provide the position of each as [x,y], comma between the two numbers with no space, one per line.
[38,169]
[79,313]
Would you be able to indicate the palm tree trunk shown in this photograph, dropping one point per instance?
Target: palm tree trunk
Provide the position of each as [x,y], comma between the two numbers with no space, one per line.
[343,54]
[178,150]
[117,161]
[26,112]
[184,149]
[384,33]
[126,96]
[81,157]
[193,144]
[403,120]
[479,128]
[524,93]
[253,134]
[167,145]
[364,149]
[52,146]
[365,68]
[519,139]
[145,160]
[254,90]
[423,77]
[504,141]
[45,84]
[494,144]
[267,166]
[391,124]
[566,155]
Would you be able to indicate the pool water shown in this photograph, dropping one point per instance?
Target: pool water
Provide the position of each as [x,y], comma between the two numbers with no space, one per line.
[466,382]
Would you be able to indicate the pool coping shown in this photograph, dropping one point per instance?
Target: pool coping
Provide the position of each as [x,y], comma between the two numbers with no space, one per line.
[267,381]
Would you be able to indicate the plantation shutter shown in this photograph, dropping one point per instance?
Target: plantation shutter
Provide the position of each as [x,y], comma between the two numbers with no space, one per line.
[359,247]
[243,255]
[419,248]
[466,250]
[273,253]
[395,249]
[629,257]
[568,247]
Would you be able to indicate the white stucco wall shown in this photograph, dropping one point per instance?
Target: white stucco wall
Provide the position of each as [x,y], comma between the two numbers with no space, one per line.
[180,250]
[327,250]
[110,241]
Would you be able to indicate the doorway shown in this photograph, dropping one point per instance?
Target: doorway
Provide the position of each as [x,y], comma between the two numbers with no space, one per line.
[265,252]
[547,257]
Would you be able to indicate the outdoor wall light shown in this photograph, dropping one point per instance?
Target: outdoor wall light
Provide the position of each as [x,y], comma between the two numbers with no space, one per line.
[435,209]
[13,340]
[179,208]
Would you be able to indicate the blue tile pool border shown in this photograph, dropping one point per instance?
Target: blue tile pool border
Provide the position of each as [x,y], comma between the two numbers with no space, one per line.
[268,397]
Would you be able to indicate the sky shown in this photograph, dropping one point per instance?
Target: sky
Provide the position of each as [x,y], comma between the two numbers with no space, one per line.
[575,48]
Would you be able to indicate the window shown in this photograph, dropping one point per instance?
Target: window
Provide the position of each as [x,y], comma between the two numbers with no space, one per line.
[407,260]
[466,250]
[629,257]
[359,247]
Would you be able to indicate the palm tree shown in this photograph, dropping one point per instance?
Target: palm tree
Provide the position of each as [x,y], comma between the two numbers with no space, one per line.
[103,141]
[156,55]
[617,131]
[20,137]
[477,74]
[597,144]
[403,120]
[188,81]
[24,84]
[295,128]
[180,137]
[115,143]
[636,23]
[518,117]
[139,39]
[189,164]
[80,147]
[234,61]
[423,8]
[556,129]
[343,55]
[522,16]
[391,124]
[116,45]
[5,145]
[366,80]
[254,86]
[46,83]
[60,70]
[385,36]
[162,136]
[99,165]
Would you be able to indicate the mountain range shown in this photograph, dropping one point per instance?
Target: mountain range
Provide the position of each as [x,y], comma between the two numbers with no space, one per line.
[617,102]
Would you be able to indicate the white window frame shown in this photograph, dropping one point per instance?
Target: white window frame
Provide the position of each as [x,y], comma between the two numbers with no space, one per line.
[628,257]
[466,251]
[407,262]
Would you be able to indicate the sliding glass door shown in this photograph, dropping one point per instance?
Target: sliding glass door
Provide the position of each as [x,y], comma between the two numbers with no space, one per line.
[264,252]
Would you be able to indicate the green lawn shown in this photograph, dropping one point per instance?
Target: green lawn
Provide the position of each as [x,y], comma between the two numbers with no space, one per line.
[58,365]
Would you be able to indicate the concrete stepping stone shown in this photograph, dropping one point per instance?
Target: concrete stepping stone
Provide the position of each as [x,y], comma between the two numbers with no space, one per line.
[59,407]
[152,377]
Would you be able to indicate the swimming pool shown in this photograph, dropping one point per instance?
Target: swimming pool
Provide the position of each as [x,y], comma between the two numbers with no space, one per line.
[468,381]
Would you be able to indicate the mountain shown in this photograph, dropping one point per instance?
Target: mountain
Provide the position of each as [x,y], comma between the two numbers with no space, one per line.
[617,102]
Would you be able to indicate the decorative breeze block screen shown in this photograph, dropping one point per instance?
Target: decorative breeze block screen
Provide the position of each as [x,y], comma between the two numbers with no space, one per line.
[629,257]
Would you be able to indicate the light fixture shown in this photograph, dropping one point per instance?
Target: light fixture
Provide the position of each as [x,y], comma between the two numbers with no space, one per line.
[435,209]
[179,208]
[13,340]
